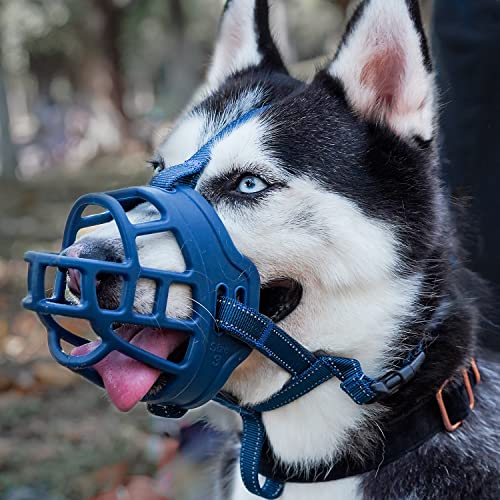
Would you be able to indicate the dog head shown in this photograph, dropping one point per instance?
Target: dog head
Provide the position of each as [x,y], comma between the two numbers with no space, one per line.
[331,191]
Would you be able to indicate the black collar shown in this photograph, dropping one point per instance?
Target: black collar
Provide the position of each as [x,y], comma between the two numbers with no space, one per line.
[451,405]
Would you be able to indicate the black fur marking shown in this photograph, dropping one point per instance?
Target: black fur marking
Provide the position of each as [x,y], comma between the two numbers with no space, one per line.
[416,17]
[317,135]
[274,86]
[271,58]
[265,42]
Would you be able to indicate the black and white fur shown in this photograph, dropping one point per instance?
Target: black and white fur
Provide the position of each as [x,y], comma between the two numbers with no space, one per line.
[355,212]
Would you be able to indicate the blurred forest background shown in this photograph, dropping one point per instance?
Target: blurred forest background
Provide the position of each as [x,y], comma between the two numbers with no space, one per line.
[87,88]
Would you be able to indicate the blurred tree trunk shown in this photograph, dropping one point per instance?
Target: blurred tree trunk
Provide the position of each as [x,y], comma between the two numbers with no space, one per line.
[7,153]
[112,17]
[180,83]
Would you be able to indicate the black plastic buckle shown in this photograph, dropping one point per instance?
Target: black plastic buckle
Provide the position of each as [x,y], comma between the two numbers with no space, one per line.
[391,382]
[166,411]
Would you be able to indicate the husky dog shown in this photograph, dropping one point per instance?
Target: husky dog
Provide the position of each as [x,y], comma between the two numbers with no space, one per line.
[334,193]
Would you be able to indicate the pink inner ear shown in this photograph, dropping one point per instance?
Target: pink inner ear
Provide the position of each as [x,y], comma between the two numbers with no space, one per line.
[384,73]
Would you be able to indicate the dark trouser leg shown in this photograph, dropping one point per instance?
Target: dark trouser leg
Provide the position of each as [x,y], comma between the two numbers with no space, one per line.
[466,45]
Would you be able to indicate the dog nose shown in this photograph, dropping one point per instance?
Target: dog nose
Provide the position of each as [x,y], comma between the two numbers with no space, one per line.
[107,251]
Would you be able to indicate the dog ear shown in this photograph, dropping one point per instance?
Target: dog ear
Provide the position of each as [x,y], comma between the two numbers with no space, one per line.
[244,41]
[384,67]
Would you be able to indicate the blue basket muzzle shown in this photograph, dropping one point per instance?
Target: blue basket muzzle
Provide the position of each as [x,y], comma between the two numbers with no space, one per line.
[213,267]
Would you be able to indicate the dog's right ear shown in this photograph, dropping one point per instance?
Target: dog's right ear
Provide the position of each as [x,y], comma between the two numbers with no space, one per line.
[244,41]
[384,68]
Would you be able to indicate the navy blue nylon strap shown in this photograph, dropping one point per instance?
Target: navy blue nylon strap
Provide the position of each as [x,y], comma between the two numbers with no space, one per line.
[254,435]
[307,370]
[322,370]
[252,442]
[262,334]
[187,173]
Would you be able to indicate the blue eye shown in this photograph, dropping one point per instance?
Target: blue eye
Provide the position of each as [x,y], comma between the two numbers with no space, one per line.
[250,184]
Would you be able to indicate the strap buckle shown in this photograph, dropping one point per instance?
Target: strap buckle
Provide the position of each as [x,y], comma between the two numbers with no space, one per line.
[470,394]
[391,382]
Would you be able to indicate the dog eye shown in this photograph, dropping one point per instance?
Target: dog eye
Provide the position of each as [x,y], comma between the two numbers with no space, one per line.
[250,184]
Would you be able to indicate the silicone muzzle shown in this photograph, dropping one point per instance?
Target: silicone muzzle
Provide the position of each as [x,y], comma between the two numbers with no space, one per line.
[213,267]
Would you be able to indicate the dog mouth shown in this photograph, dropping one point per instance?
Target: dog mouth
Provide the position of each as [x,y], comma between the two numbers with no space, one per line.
[279,298]
[127,380]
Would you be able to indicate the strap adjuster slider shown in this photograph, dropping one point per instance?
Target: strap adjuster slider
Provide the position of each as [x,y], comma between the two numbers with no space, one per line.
[470,394]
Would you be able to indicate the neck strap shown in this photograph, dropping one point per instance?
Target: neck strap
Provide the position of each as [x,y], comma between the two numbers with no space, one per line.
[403,434]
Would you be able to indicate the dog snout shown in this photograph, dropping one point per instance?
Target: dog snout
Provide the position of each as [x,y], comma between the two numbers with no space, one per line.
[96,249]
[107,285]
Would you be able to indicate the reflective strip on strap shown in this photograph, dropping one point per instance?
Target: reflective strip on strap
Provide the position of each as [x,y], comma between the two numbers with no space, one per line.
[259,332]
[252,442]
[307,370]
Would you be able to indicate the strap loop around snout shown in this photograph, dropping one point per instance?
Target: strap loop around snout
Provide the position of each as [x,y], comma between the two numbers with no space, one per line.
[188,173]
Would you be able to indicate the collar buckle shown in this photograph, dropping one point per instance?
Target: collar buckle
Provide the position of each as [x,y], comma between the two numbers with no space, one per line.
[392,381]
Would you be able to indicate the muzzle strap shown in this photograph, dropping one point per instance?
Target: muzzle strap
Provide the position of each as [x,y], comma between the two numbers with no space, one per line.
[188,173]
[307,370]
[252,442]
[262,334]
[253,434]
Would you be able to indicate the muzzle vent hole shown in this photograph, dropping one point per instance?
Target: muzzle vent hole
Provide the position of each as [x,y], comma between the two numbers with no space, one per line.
[49,282]
[96,217]
[110,291]
[180,303]
[93,210]
[160,251]
[146,296]
[140,211]
[77,326]
[240,295]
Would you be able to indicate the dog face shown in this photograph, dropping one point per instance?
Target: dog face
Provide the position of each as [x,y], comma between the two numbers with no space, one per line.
[330,191]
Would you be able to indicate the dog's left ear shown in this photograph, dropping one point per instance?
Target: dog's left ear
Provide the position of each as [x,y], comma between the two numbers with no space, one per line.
[384,67]
[244,41]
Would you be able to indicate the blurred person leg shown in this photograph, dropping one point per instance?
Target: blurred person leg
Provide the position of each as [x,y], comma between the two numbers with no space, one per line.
[466,46]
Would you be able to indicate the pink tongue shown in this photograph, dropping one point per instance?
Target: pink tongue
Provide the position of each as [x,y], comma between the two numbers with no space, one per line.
[127,380]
